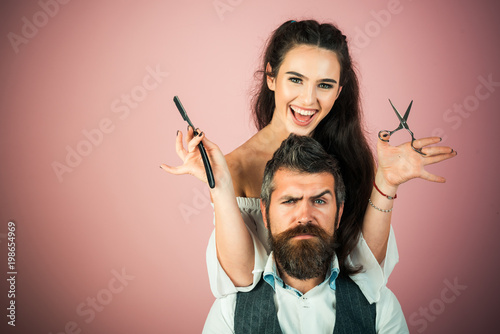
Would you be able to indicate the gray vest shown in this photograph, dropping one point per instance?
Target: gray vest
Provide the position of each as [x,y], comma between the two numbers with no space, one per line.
[255,311]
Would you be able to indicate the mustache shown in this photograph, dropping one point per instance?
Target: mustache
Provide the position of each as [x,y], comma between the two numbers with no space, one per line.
[303,229]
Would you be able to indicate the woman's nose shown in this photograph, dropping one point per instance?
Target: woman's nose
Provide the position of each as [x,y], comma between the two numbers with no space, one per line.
[309,94]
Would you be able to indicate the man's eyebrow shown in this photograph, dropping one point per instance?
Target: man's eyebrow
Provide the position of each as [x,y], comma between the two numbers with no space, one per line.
[326,192]
[289,197]
[321,194]
[303,76]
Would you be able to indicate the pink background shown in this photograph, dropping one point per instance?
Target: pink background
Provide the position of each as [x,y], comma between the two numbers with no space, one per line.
[116,210]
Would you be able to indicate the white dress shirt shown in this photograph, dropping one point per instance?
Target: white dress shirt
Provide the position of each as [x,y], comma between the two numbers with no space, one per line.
[312,312]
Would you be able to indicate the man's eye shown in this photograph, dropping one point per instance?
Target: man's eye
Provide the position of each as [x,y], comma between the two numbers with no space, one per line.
[295,80]
[319,201]
[290,201]
[325,86]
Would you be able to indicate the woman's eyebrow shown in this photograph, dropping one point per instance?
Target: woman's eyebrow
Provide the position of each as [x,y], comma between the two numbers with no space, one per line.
[296,74]
[303,76]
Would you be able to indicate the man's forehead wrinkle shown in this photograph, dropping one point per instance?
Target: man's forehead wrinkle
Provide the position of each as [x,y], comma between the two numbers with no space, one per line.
[288,174]
[303,187]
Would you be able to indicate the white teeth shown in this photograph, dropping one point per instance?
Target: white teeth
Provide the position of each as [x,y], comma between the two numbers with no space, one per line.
[303,112]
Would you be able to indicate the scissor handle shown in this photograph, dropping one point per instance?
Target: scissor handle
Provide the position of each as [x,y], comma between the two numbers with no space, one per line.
[385,134]
[418,150]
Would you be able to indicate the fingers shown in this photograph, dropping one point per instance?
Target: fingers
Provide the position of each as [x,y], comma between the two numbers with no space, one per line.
[193,143]
[190,133]
[179,147]
[431,177]
[384,136]
[435,153]
[438,158]
[173,170]
[200,138]
[436,150]
[419,143]
[190,156]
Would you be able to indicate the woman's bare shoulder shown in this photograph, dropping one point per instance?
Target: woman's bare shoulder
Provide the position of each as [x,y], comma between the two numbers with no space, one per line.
[246,164]
[237,162]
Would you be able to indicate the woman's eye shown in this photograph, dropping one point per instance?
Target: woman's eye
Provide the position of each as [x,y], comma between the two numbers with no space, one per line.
[295,80]
[325,86]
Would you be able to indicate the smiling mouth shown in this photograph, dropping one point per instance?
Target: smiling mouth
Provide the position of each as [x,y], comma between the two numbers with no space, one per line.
[302,116]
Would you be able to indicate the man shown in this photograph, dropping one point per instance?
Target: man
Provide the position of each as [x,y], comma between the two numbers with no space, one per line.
[304,288]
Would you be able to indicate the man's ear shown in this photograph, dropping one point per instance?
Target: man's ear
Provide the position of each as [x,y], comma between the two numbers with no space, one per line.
[341,210]
[271,81]
[263,210]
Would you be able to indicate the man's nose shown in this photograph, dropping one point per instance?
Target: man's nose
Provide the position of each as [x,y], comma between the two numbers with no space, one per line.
[304,214]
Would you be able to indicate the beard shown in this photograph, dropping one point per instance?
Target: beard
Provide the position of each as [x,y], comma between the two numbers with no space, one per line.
[303,258]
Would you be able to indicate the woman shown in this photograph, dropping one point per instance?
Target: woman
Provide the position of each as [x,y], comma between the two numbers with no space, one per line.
[308,87]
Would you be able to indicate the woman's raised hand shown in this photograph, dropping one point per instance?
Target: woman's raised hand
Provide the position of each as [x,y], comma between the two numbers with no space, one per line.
[193,162]
[399,164]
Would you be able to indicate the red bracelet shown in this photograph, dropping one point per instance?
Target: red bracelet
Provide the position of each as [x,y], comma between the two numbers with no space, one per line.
[388,197]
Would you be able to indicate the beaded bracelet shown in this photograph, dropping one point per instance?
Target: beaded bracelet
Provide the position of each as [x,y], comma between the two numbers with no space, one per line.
[377,208]
[388,197]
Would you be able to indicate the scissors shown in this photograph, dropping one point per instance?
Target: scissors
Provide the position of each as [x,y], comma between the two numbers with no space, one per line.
[402,125]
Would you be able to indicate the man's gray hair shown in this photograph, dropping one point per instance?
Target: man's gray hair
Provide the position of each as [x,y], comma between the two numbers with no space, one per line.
[301,154]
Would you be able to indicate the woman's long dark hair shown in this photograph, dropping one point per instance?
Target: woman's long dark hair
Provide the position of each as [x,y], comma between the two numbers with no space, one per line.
[340,132]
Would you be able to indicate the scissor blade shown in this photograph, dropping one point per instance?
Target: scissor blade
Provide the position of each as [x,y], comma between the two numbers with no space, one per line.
[402,121]
[405,117]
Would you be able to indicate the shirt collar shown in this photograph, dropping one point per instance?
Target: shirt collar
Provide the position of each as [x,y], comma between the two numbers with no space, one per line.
[272,277]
